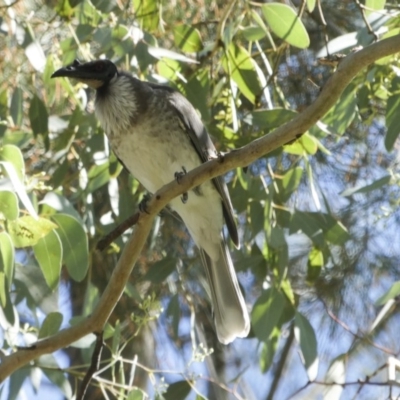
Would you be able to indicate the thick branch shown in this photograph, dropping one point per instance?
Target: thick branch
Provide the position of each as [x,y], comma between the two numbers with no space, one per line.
[244,156]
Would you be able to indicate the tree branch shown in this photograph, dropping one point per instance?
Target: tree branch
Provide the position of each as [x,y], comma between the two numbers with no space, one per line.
[242,157]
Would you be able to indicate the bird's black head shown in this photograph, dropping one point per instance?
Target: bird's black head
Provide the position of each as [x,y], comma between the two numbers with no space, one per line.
[94,73]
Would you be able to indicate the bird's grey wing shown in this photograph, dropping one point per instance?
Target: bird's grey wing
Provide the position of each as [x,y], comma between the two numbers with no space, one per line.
[206,150]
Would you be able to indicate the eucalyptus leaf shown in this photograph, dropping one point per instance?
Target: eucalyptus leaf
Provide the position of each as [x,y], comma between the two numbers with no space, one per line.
[285,23]
[48,252]
[75,245]
[9,204]
[266,313]
[51,324]
[27,231]
[160,270]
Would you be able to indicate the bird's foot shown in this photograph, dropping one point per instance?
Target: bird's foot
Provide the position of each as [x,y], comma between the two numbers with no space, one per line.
[178,177]
[221,156]
[143,203]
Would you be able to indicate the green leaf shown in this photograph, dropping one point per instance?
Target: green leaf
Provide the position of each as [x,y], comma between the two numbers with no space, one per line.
[187,38]
[51,325]
[18,187]
[335,231]
[27,231]
[270,119]
[136,394]
[266,313]
[147,14]
[38,116]
[276,238]
[393,292]
[160,270]
[15,383]
[268,351]
[98,175]
[371,5]
[16,110]
[178,391]
[253,33]
[285,23]
[287,289]
[238,63]
[197,91]
[389,59]
[105,6]
[48,253]
[75,245]
[168,68]
[174,311]
[84,32]
[9,205]
[116,338]
[306,144]
[288,184]
[7,253]
[305,336]
[393,115]
[4,297]
[57,377]
[10,312]
[368,188]
[314,264]
[319,227]
[64,9]
[311,5]
[18,138]
[31,285]
[60,204]
[103,36]
[256,217]
[343,113]
[13,155]
[308,224]
[133,293]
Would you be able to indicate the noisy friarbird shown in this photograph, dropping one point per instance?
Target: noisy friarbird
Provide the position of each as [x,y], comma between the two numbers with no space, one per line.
[157,134]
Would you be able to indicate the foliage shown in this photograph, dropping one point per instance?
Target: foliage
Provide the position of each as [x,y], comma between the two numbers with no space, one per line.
[306,210]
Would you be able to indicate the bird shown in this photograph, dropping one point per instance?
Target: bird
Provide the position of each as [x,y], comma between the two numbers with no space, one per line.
[157,135]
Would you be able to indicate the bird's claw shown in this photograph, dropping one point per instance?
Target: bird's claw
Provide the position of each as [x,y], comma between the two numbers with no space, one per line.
[178,177]
[184,197]
[143,203]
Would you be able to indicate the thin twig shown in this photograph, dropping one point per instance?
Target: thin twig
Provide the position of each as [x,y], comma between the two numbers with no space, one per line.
[118,231]
[364,17]
[357,336]
[281,364]
[94,366]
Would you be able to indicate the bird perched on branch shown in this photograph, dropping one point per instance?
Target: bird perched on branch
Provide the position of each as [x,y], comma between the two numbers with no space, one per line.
[157,134]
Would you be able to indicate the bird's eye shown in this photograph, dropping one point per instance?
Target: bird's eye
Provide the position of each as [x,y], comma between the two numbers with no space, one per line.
[99,67]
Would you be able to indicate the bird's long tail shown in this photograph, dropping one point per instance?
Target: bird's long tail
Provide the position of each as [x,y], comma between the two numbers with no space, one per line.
[230,311]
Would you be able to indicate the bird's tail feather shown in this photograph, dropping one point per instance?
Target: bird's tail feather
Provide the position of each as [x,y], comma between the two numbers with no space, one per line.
[230,311]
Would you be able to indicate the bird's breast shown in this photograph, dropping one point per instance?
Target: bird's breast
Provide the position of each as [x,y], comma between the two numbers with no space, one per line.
[153,151]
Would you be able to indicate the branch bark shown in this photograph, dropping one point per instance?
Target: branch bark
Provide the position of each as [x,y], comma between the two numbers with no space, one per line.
[242,157]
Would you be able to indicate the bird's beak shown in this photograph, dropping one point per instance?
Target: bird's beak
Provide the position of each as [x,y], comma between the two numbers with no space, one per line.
[75,70]
[85,73]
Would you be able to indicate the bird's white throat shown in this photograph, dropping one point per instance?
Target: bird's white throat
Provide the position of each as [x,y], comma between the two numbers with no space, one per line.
[117,109]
